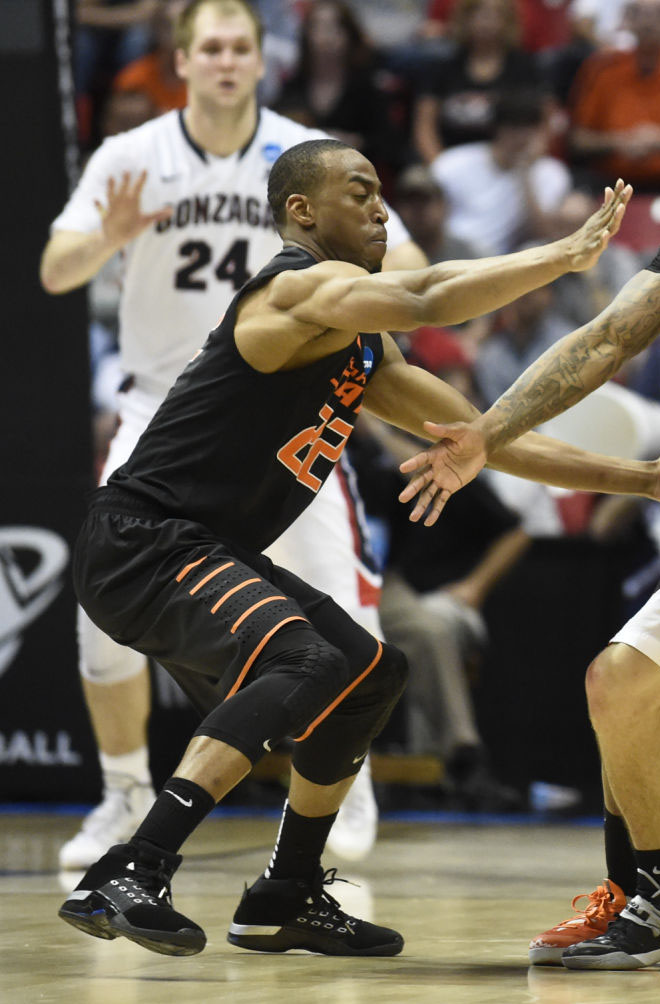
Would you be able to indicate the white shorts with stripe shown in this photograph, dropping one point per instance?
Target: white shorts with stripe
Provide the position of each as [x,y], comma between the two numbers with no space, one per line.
[642,631]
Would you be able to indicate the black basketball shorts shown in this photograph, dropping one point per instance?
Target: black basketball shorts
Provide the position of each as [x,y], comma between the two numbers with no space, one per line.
[204,608]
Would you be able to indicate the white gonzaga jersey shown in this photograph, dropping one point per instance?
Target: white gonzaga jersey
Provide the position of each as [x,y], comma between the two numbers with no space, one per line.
[180,275]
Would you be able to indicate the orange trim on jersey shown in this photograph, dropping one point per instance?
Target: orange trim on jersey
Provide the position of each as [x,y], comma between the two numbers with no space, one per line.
[216,571]
[266,638]
[331,707]
[246,613]
[230,592]
[193,564]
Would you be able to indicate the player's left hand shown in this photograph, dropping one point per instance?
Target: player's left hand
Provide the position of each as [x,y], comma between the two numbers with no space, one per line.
[443,468]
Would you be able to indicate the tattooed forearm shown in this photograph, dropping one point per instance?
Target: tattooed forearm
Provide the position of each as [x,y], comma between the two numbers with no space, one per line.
[578,363]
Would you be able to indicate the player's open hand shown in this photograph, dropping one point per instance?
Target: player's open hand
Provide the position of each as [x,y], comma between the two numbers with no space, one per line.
[122,218]
[587,244]
[442,469]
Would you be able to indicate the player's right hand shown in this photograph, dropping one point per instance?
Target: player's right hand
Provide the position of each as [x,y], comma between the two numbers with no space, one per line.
[442,469]
[121,217]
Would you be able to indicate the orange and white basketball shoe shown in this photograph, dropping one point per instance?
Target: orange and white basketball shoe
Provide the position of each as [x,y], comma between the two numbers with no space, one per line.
[604,904]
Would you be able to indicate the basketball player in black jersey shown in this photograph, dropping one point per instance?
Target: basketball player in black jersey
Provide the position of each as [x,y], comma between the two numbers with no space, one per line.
[169,559]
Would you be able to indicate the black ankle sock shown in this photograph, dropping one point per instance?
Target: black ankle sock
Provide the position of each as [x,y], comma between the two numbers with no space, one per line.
[648,876]
[178,810]
[619,853]
[299,845]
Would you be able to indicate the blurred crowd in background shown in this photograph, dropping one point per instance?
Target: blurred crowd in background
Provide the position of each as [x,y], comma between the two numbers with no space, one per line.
[493,124]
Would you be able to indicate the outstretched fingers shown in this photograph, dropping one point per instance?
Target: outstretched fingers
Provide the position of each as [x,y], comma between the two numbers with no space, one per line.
[614,205]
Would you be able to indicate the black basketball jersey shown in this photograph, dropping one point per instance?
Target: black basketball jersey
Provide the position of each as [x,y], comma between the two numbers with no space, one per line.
[245,452]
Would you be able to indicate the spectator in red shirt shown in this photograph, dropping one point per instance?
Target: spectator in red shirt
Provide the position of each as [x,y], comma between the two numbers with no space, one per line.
[616,106]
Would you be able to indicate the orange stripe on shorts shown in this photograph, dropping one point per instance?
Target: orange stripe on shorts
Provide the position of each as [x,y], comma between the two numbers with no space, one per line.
[331,707]
[266,638]
[216,571]
[246,613]
[230,592]
[193,564]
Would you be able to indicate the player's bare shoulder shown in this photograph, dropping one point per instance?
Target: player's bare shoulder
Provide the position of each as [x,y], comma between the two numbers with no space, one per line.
[269,333]
[290,290]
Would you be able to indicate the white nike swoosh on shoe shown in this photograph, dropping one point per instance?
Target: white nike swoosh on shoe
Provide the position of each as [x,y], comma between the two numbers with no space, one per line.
[187,802]
[267,745]
[356,759]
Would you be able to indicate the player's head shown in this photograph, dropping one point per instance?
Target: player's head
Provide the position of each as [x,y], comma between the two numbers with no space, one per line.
[218,51]
[326,194]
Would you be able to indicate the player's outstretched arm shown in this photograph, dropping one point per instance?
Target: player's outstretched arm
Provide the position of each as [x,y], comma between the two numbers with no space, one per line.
[72,258]
[568,371]
[403,394]
[340,296]
[444,468]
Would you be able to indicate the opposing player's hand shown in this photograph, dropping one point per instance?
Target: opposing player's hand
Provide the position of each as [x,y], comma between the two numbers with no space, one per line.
[587,244]
[121,217]
[442,469]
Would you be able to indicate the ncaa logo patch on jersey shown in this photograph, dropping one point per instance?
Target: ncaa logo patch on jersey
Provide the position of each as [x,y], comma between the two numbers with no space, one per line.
[367,359]
[270,152]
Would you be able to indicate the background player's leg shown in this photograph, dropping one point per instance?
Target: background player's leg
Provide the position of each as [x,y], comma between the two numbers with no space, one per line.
[117,691]
[593,911]
[623,691]
[119,712]
[619,853]
[116,687]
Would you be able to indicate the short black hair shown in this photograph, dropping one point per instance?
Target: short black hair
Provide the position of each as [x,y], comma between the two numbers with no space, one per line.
[298,170]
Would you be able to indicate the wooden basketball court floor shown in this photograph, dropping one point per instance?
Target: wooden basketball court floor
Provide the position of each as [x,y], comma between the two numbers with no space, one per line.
[467,897]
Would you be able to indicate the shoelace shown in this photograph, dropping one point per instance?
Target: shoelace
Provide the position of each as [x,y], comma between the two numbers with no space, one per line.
[154,881]
[329,877]
[599,907]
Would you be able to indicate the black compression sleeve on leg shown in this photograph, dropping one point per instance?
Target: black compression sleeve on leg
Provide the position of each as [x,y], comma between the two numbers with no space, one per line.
[338,745]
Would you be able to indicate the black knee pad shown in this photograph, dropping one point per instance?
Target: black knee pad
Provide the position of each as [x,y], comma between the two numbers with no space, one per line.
[298,679]
[337,746]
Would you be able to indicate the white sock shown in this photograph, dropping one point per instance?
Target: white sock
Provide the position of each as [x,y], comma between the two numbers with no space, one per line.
[125,770]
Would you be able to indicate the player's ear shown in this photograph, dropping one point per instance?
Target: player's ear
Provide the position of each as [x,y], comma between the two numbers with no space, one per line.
[299,209]
[181,63]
